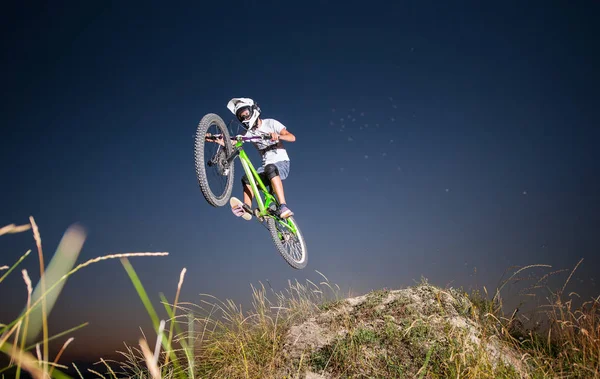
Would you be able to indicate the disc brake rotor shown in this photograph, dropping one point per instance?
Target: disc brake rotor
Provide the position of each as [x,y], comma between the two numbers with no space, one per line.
[220,161]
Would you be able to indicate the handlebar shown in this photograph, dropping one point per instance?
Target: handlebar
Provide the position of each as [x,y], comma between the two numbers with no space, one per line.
[235,138]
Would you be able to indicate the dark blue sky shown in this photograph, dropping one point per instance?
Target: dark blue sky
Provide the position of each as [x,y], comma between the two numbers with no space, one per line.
[432,138]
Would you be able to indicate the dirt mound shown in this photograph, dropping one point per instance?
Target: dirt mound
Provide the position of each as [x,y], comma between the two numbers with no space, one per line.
[413,332]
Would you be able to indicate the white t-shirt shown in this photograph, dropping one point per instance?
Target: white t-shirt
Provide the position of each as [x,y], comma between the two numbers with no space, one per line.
[269,125]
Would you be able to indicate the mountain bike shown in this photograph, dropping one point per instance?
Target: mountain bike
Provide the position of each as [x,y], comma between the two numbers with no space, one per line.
[285,233]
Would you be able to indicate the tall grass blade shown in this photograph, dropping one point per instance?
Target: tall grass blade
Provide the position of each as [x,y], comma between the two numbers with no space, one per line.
[149,308]
[24,359]
[14,265]
[423,369]
[58,335]
[12,229]
[63,261]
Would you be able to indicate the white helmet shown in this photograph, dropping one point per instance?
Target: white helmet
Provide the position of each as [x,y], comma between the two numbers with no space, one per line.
[238,104]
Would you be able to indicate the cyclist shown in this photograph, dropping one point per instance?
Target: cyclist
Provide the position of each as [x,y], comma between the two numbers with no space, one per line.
[275,160]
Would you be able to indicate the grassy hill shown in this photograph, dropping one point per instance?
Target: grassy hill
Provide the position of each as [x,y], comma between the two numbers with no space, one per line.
[422,331]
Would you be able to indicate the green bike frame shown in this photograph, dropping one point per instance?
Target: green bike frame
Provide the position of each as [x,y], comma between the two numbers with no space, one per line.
[254,178]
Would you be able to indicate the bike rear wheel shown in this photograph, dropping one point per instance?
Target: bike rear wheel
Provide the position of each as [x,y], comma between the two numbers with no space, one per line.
[211,161]
[289,243]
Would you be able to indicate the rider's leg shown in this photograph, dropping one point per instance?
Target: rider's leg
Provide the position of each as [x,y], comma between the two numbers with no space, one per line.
[248,195]
[239,210]
[278,188]
[276,173]
[273,174]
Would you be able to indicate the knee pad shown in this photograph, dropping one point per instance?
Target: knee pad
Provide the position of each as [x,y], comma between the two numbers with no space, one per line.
[262,175]
[271,171]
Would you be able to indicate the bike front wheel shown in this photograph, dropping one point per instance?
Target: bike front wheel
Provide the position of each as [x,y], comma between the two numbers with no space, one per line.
[215,175]
[288,240]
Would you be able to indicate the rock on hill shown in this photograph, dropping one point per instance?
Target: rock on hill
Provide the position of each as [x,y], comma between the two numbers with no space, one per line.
[421,331]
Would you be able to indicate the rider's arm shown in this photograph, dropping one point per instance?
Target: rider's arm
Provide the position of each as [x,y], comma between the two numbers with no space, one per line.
[280,132]
[220,141]
[284,135]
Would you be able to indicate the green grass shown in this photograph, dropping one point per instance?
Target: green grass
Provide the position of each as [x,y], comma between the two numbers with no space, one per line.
[217,339]
[18,337]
